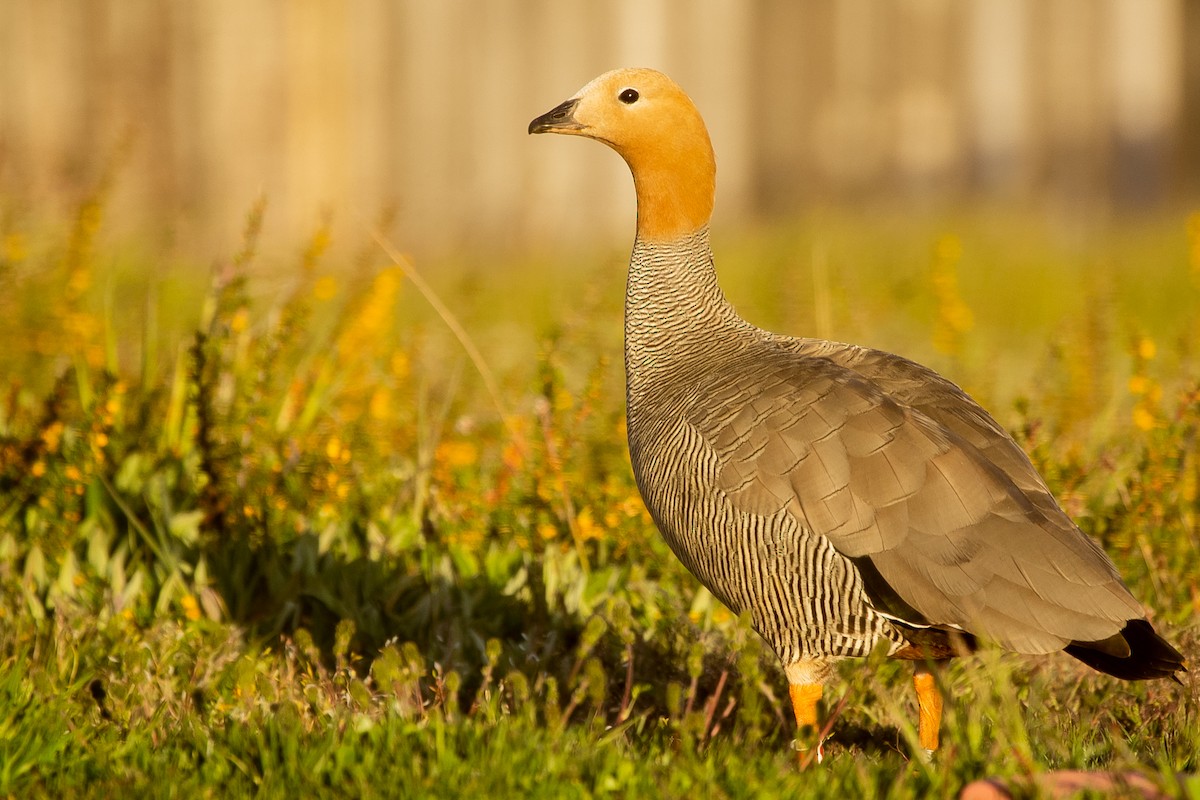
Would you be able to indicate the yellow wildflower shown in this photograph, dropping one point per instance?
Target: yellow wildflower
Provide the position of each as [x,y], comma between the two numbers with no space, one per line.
[379,406]
[325,288]
[191,608]
[52,436]
[1146,349]
[1144,418]
[954,316]
[632,505]
[513,456]
[365,333]
[585,526]
[400,364]
[457,454]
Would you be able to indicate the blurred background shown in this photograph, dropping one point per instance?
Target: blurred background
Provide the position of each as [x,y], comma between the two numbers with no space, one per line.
[350,110]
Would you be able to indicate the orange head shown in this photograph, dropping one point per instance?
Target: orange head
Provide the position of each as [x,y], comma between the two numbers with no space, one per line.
[647,118]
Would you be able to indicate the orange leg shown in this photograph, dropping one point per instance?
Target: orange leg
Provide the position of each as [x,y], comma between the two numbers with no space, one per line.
[929,702]
[805,697]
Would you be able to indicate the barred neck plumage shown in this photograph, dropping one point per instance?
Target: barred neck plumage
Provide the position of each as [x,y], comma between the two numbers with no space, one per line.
[675,313]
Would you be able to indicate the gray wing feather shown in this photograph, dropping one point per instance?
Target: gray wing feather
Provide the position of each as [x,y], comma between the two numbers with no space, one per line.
[896,464]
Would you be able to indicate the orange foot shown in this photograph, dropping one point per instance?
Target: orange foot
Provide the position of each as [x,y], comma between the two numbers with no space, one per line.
[805,697]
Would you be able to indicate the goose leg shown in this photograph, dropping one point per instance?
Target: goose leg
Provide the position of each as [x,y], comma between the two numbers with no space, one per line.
[929,704]
[805,697]
[806,684]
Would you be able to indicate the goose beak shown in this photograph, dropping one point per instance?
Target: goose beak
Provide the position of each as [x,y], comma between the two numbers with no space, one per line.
[560,119]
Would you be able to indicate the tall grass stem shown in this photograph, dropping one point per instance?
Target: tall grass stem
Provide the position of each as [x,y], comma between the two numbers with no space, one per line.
[460,333]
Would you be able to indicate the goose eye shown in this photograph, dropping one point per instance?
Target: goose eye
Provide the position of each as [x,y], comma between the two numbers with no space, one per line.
[628,97]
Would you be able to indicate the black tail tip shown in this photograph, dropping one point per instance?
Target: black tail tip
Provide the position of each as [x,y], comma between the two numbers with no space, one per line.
[1150,656]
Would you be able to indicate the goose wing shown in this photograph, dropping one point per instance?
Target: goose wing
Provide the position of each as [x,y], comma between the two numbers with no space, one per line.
[924,491]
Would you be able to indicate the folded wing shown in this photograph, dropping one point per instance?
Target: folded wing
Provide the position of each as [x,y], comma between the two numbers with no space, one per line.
[924,486]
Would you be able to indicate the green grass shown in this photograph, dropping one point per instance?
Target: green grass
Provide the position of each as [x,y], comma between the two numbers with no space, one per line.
[270,535]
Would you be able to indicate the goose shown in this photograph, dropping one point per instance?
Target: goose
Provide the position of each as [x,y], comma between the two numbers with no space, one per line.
[848,498]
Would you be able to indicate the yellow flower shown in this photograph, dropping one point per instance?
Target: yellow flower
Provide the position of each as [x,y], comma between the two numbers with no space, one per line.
[325,288]
[586,527]
[317,245]
[1144,418]
[633,505]
[954,316]
[547,530]
[191,609]
[513,456]
[1138,384]
[52,436]
[379,406]
[365,333]
[1146,349]
[457,454]
[78,282]
[400,364]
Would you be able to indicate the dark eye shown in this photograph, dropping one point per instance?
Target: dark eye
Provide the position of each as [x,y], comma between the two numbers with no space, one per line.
[628,97]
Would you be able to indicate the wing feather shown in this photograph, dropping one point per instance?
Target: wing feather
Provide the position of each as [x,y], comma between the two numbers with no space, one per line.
[896,465]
